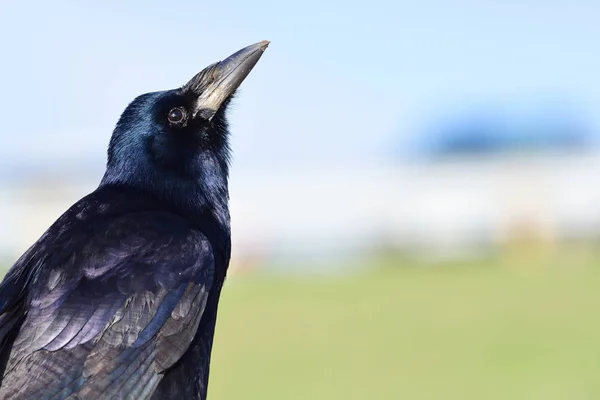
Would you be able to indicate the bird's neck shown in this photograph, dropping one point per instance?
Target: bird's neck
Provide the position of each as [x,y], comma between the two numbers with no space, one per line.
[199,194]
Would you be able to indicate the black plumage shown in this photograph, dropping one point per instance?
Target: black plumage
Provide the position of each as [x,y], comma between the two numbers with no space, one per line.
[118,299]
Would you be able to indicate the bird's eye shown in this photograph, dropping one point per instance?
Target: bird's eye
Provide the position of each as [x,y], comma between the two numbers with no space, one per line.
[177,116]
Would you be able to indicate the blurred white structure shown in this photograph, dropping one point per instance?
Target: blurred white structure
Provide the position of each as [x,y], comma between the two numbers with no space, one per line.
[302,212]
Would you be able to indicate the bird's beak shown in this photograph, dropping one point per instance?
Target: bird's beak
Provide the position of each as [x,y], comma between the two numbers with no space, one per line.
[217,82]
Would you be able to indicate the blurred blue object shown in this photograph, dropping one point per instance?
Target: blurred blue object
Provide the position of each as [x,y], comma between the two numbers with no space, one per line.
[498,128]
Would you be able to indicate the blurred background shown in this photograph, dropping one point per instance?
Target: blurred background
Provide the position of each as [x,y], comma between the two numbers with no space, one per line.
[414,190]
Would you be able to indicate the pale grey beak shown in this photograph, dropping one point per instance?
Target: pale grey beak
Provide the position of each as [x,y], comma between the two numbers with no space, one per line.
[217,82]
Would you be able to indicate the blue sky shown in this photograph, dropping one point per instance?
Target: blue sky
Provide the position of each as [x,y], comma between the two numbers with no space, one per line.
[341,82]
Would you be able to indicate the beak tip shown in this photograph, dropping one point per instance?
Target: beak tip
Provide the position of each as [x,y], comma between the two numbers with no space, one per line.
[264,44]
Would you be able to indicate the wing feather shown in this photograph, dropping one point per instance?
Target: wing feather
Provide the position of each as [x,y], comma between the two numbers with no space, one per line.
[110,312]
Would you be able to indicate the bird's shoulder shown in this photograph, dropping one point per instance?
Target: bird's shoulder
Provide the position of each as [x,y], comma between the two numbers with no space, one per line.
[106,231]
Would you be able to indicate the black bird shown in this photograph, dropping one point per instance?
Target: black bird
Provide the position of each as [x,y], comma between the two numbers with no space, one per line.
[118,299]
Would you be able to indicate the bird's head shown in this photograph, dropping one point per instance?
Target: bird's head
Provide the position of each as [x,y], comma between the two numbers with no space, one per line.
[174,143]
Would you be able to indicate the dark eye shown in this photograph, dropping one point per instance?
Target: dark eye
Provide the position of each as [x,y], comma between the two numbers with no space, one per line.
[176,116]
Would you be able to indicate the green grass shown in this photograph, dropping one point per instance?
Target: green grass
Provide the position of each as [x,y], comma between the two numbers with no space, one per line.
[479,330]
[465,332]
